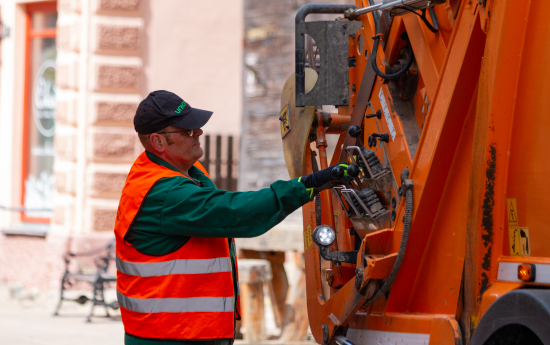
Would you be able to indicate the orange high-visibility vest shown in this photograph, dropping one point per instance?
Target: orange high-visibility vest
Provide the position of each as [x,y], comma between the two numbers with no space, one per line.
[187,294]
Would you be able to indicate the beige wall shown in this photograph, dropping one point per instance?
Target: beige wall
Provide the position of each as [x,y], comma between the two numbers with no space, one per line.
[111,53]
[194,49]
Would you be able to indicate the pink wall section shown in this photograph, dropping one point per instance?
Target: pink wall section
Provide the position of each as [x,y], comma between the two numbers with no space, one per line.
[195,50]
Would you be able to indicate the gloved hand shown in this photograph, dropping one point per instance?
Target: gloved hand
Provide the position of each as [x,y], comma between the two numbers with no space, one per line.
[319,181]
[345,166]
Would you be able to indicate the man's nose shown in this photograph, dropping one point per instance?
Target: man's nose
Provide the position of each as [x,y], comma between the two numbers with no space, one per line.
[197,132]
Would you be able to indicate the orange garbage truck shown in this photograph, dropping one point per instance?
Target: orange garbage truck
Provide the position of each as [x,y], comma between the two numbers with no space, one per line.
[438,231]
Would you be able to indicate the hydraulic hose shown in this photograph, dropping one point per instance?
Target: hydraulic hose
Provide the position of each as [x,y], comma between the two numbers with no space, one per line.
[404,240]
[377,38]
[401,71]
[433,28]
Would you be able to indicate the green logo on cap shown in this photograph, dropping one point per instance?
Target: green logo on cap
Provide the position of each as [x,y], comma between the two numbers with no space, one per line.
[180,108]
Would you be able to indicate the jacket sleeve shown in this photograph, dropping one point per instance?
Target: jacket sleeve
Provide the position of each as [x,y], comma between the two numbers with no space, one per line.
[190,210]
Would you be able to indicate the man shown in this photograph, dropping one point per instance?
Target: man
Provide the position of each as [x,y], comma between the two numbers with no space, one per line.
[177,272]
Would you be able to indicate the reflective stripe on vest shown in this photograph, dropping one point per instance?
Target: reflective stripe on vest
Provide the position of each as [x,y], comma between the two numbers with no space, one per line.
[156,269]
[177,305]
[187,294]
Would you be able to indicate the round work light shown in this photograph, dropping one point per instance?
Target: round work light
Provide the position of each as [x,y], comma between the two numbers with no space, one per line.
[323,235]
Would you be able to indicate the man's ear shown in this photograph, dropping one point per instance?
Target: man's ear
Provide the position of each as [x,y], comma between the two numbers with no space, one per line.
[156,143]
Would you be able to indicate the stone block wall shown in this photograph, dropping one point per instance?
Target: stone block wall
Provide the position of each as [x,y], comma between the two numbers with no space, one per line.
[69,42]
[105,66]
[99,75]
[116,30]
[269,61]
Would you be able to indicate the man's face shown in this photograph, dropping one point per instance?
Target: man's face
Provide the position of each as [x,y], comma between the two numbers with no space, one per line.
[180,147]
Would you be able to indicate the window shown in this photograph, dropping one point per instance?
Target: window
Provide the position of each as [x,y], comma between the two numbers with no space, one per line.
[39,113]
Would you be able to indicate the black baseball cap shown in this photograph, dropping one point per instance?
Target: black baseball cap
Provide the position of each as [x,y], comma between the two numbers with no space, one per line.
[164,108]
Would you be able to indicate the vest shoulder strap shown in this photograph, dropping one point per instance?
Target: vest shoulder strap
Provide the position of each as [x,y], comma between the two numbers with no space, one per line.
[201,168]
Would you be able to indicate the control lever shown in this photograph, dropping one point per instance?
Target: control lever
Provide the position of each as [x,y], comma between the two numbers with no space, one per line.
[338,172]
[378,115]
[353,172]
[382,137]
[355,132]
[374,165]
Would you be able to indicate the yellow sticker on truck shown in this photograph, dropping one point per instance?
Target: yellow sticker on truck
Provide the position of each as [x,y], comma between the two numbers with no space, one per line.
[285,121]
[519,241]
[512,211]
[518,236]
[308,241]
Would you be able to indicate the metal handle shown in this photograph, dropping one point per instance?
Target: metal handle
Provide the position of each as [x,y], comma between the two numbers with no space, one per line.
[301,15]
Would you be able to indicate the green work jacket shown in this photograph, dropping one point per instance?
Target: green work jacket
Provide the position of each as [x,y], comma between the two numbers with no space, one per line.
[177,208]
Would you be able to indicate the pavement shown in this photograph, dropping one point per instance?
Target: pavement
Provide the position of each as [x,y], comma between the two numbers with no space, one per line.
[27,319]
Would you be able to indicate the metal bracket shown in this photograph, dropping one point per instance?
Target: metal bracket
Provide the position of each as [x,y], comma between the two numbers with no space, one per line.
[362,220]
[332,41]
[338,256]
[378,182]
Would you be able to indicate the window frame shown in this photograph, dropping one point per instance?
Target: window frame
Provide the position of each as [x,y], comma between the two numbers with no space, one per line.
[31,34]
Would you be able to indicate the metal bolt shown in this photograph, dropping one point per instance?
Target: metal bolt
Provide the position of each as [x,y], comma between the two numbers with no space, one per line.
[324,327]
[393,214]
[393,202]
[345,100]
[345,26]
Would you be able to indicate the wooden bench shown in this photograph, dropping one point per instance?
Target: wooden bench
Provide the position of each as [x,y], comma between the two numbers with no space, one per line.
[99,280]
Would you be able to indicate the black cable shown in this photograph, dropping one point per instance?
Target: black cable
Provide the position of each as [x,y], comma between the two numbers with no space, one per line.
[434,19]
[409,209]
[433,28]
[401,71]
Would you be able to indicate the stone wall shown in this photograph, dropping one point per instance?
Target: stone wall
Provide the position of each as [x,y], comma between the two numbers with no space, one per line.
[269,61]
[99,79]
[111,53]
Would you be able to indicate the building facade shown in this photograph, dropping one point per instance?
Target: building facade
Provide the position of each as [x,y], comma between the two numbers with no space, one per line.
[71,76]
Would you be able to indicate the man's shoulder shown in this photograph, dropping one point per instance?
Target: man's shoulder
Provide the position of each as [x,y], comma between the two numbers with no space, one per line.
[167,183]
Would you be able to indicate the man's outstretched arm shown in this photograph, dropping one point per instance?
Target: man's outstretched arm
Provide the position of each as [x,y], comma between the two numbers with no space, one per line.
[190,210]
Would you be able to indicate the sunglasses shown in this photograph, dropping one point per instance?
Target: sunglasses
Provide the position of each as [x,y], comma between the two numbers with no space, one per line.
[188,131]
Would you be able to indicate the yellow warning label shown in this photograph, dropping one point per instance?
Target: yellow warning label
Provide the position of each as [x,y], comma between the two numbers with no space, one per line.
[308,241]
[512,211]
[518,236]
[285,121]
[519,241]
